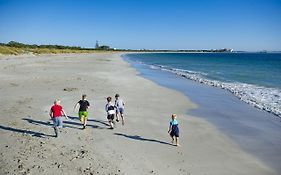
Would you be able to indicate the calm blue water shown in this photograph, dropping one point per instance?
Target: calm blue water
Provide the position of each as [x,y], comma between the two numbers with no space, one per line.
[263,69]
[253,77]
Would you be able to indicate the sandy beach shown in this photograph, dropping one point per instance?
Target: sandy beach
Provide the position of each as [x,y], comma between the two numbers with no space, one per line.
[29,85]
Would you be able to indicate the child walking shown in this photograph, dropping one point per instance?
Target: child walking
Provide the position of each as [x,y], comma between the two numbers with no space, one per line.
[119,104]
[56,114]
[174,130]
[110,110]
[83,110]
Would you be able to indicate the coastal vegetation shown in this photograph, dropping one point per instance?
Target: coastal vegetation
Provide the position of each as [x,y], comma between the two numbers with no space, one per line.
[17,48]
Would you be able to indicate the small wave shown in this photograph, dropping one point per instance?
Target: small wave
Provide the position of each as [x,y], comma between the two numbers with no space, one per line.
[155,66]
[268,99]
[189,71]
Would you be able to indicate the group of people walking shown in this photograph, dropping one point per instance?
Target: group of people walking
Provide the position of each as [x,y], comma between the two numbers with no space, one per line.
[116,109]
[112,109]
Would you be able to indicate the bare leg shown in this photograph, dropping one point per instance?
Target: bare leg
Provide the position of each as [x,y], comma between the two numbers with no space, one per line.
[56,131]
[85,122]
[82,119]
[117,116]
[122,117]
[177,141]
[172,139]
[110,124]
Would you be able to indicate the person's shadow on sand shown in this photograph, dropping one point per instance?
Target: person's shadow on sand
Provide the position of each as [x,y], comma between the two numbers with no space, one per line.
[100,121]
[89,120]
[37,122]
[23,131]
[49,123]
[67,123]
[136,137]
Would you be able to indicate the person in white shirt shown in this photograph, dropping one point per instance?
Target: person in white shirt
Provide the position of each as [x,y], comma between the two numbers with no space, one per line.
[119,104]
[110,110]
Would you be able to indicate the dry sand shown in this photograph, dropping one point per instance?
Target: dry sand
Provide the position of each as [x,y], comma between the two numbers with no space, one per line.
[29,86]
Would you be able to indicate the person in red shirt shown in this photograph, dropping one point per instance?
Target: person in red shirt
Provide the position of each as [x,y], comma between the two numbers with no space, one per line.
[56,114]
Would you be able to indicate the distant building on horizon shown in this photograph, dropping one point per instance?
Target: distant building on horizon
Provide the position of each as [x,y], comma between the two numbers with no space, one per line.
[97,44]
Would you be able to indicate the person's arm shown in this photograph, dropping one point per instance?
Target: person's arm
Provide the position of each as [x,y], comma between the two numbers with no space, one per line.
[63,112]
[88,105]
[51,113]
[170,129]
[75,106]
[115,105]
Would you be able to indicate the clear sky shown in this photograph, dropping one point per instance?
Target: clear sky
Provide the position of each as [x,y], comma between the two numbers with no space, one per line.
[248,25]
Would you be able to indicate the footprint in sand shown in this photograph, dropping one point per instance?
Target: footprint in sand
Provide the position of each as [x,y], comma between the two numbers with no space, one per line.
[69,89]
[14,84]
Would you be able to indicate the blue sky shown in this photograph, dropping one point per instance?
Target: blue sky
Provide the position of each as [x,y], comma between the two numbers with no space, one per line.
[248,25]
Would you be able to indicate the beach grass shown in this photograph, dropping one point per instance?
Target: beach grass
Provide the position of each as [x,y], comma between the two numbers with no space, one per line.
[7,50]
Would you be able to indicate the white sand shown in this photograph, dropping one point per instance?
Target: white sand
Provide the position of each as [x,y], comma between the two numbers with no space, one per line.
[29,85]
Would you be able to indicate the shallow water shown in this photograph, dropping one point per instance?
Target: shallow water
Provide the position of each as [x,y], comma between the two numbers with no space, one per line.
[252,77]
[256,131]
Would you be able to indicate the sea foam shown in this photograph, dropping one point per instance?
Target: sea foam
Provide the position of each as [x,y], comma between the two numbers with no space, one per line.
[268,99]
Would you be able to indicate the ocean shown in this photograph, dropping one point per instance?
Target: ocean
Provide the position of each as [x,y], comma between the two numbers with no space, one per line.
[254,78]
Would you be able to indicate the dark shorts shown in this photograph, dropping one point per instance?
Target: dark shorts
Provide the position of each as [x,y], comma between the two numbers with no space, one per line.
[174,134]
[175,131]
[110,117]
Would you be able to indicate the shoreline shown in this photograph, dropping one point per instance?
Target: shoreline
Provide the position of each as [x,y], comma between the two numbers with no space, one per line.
[221,108]
[248,93]
[29,86]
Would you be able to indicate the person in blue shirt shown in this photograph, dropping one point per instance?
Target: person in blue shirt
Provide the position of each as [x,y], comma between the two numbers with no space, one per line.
[174,129]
